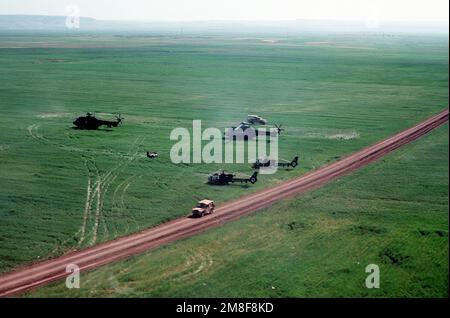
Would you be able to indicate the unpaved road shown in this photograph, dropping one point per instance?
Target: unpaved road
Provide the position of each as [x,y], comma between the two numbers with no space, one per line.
[54,269]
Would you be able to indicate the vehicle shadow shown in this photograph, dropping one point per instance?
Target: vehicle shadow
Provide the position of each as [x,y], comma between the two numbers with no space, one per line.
[99,129]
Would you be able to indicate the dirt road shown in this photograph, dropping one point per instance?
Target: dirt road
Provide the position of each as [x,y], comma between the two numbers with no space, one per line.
[54,269]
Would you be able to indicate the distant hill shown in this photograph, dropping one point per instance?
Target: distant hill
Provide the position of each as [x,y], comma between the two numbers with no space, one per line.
[58,23]
[40,22]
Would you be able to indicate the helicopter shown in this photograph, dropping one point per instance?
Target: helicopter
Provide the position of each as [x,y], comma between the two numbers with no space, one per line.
[90,122]
[239,131]
[268,163]
[256,120]
[223,178]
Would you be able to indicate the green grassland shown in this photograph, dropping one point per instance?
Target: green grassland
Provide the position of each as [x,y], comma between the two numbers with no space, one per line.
[334,94]
[393,213]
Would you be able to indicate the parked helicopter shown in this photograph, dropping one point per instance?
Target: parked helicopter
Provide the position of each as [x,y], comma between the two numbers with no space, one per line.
[242,132]
[267,163]
[223,178]
[256,120]
[90,122]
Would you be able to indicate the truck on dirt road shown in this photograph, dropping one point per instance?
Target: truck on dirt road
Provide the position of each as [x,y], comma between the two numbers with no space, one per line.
[204,207]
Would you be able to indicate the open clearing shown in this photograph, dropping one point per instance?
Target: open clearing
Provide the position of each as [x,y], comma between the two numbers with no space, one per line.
[314,245]
[45,272]
[46,207]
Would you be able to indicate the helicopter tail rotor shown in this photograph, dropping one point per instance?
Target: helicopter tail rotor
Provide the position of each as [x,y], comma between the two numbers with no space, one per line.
[279,129]
[119,119]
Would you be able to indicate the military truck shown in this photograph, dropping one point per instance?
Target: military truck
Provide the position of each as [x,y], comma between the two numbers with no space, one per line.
[204,207]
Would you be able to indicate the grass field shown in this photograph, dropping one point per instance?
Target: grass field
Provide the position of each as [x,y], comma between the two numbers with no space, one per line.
[393,213]
[321,88]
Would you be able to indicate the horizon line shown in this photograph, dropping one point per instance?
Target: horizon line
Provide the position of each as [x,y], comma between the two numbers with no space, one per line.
[231,19]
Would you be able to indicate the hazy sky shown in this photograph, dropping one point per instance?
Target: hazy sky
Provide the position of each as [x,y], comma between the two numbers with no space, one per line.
[176,10]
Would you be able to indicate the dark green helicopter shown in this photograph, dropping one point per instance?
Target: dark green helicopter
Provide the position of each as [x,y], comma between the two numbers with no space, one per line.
[90,122]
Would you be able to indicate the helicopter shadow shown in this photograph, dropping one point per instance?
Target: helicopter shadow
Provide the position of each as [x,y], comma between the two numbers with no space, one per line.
[236,184]
[99,129]
[227,140]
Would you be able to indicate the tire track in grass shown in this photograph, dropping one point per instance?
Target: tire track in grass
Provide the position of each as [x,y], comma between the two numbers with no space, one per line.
[125,189]
[196,262]
[96,190]
[118,169]
[93,192]
[87,206]
[103,184]
[97,212]
[204,261]
[33,132]
[115,207]
[124,208]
